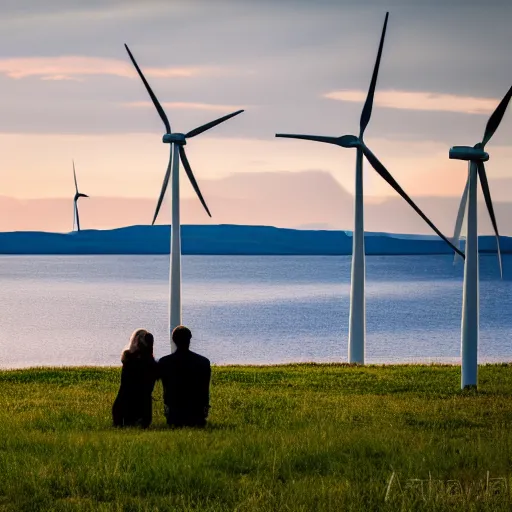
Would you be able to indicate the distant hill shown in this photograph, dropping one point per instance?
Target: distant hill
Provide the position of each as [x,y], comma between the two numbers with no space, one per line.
[307,200]
[225,239]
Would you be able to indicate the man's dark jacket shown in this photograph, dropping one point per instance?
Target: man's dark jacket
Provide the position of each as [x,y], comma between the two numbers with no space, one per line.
[186,381]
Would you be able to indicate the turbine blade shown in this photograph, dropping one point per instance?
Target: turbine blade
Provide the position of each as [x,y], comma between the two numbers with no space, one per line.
[488,201]
[377,165]
[155,101]
[211,124]
[315,138]
[460,218]
[164,187]
[77,217]
[190,175]
[496,117]
[367,109]
[83,195]
[74,175]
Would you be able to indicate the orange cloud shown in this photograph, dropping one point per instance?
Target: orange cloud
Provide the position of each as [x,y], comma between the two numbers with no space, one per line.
[70,67]
[57,78]
[185,105]
[420,101]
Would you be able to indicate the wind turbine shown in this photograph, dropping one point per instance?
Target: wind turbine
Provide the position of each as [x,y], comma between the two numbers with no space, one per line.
[475,156]
[78,195]
[177,143]
[357,320]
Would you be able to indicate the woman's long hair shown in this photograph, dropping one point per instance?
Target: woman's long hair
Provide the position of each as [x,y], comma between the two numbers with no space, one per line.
[141,345]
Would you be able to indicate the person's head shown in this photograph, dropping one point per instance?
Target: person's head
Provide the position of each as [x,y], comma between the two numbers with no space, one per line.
[146,343]
[181,336]
[141,344]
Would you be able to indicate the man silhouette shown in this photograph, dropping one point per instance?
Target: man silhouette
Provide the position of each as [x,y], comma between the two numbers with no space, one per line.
[186,381]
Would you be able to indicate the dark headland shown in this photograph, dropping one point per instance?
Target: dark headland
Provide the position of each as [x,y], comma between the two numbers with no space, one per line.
[227,239]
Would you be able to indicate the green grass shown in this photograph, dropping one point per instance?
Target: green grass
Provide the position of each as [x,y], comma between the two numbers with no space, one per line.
[296,437]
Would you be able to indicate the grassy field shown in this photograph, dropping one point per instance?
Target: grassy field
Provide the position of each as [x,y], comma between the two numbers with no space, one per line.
[297,437]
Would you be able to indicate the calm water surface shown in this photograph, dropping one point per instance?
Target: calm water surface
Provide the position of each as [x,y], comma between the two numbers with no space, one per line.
[81,310]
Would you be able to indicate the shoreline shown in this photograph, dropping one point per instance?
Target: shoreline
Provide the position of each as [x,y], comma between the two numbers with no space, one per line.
[310,364]
[231,254]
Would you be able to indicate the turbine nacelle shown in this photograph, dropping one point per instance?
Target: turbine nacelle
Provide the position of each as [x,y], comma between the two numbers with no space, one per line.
[468,153]
[349,141]
[174,138]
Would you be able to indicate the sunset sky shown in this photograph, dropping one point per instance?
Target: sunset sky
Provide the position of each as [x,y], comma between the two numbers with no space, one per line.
[69,91]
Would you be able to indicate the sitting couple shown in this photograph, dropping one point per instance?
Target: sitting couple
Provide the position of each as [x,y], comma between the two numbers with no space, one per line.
[185,379]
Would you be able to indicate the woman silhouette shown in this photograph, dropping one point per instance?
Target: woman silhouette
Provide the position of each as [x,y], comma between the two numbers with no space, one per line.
[133,404]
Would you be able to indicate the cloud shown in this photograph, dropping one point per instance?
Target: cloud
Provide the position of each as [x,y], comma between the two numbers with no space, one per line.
[61,77]
[429,101]
[185,106]
[70,67]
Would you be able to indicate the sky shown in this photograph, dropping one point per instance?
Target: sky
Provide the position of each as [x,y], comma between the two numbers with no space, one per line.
[68,90]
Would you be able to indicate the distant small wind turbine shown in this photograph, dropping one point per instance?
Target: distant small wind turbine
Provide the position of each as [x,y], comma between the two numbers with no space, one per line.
[475,156]
[177,152]
[78,195]
[357,320]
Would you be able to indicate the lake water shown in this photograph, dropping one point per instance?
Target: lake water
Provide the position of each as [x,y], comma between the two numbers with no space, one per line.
[81,310]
